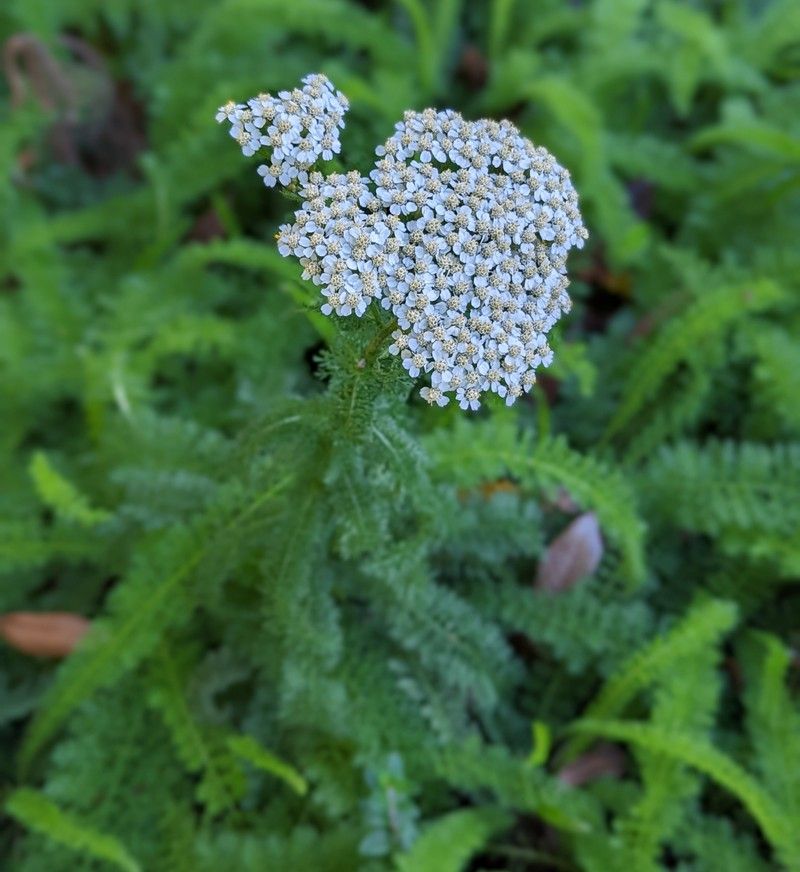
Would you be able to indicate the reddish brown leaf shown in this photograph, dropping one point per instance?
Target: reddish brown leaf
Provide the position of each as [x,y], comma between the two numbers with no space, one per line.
[43,634]
[603,760]
[573,554]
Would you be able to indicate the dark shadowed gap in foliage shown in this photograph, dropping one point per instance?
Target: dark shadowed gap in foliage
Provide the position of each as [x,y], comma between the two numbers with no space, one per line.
[531,843]
[723,414]
[669,859]
[641,193]
[49,584]
[10,284]
[60,422]
[473,68]
[601,306]
[312,360]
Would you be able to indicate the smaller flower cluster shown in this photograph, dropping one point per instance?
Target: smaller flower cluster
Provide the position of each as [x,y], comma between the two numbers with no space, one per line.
[299,127]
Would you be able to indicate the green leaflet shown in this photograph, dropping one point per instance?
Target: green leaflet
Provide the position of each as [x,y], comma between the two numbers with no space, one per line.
[474,766]
[35,811]
[250,750]
[448,842]
[472,454]
[700,629]
[703,321]
[745,495]
[142,611]
[757,135]
[778,826]
[722,848]
[221,783]
[255,256]
[499,22]
[685,698]
[62,496]
[23,545]
[776,371]
[773,717]
[336,20]
[303,848]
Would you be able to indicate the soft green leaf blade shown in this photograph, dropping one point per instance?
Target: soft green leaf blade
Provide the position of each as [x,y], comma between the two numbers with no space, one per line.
[144,607]
[61,495]
[448,843]
[700,629]
[36,812]
[468,454]
[708,317]
[253,752]
[776,824]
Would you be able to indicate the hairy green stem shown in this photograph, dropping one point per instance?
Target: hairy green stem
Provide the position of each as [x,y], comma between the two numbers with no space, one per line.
[378,341]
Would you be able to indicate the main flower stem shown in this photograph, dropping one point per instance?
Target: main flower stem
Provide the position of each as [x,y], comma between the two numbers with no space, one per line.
[378,341]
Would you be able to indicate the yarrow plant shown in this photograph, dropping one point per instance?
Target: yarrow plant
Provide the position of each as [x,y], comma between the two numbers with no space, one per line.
[461,230]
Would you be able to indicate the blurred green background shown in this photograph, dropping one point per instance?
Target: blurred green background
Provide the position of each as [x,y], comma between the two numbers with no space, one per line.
[146,321]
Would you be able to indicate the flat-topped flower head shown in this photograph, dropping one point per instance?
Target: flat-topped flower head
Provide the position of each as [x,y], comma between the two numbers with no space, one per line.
[461,230]
[297,128]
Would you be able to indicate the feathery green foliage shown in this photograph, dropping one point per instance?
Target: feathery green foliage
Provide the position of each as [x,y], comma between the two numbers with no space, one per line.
[36,812]
[323,635]
[447,843]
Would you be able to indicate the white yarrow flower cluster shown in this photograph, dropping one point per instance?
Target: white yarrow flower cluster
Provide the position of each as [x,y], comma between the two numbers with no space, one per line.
[298,127]
[461,230]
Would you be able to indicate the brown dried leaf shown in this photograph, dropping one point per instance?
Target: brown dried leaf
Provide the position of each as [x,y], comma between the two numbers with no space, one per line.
[43,634]
[574,554]
[603,760]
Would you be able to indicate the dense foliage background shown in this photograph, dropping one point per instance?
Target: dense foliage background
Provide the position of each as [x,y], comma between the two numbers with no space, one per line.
[323,633]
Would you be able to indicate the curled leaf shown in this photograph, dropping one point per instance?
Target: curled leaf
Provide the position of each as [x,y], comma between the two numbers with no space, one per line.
[574,554]
[43,634]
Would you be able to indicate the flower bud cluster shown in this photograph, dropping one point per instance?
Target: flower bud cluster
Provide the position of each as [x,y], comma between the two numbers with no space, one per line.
[298,127]
[461,230]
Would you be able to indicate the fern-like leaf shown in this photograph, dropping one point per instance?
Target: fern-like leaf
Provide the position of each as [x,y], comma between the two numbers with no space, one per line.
[746,495]
[221,781]
[702,627]
[447,844]
[703,322]
[150,600]
[773,719]
[773,819]
[35,811]
[470,454]
[473,766]
[59,494]
[254,753]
